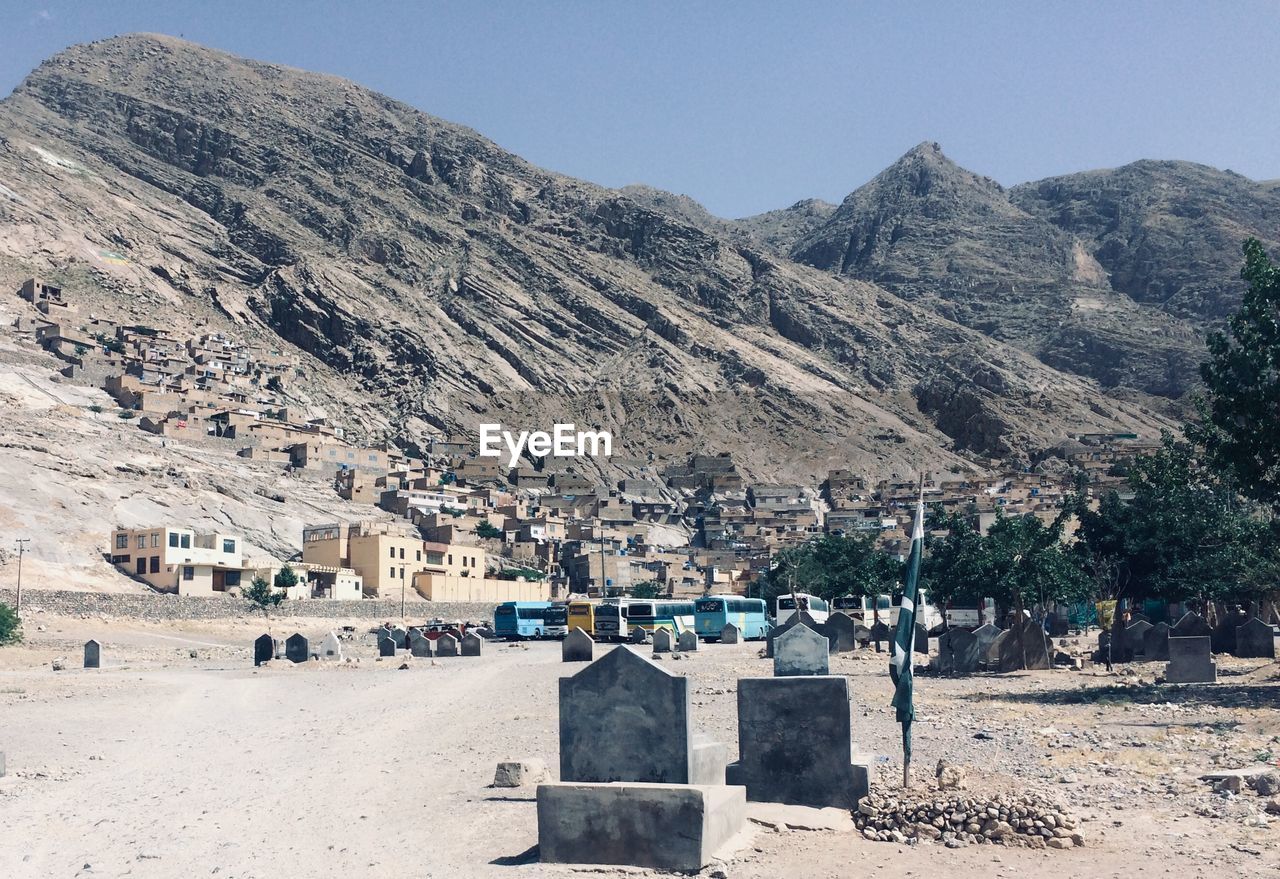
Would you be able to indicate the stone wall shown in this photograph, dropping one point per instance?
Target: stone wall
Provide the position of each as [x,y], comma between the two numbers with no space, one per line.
[153,606]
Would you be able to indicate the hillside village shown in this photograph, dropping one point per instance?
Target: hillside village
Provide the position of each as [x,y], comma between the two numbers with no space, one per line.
[450,525]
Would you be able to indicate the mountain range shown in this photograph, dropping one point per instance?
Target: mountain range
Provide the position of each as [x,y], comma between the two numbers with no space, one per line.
[432,280]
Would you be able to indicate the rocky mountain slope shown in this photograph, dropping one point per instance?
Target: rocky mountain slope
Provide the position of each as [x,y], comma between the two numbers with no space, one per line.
[436,281]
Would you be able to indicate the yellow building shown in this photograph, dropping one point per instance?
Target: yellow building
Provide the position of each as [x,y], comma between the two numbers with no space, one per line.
[180,559]
[450,587]
[387,555]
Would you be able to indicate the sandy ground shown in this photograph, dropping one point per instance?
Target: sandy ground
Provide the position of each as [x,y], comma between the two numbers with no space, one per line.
[164,765]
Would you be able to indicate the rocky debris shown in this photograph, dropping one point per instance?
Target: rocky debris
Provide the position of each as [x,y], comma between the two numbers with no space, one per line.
[957,821]
[950,776]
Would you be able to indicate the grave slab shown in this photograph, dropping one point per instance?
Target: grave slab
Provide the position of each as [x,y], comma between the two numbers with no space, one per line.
[296,648]
[471,644]
[386,646]
[729,634]
[92,654]
[577,646]
[661,641]
[1191,661]
[1155,643]
[446,645]
[1255,640]
[661,826]
[688,641]
[842,632]
[800,616]
[331,647]
[419,646]
[794,743]
[800,651]
[264,649]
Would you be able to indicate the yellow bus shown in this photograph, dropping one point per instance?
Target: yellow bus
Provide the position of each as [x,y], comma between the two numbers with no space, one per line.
[582,615]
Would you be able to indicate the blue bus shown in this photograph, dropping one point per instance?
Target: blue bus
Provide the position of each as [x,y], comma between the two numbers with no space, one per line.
[712,614]
[675,616]
[518,620]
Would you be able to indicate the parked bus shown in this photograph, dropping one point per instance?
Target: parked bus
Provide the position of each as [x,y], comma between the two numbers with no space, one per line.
[713,613]
[675,616]
[815,606]
[968,615]
[582,615]
[610,620]
[869,610]
[518,620]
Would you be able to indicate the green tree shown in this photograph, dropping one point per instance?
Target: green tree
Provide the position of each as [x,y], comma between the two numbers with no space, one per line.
[274,385]
[261,594]
[286,578]
[488,529]
[10,625]
[1186,533]
[834,565]
[647,589]
[1239,423]
[1020,562]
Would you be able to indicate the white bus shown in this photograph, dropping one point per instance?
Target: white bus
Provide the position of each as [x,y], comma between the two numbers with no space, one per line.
[816,607]
[883,608]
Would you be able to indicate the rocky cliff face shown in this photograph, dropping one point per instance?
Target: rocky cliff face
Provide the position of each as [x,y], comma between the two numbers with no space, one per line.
[435,281]
[961,244]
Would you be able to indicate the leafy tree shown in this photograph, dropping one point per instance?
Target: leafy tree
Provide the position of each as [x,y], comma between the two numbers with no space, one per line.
[834,565]
[261,594]
[1239,423]
[274,384]
[1020,562]
[488,529]
[127,414]
[647,589]
[1186,534]
[286,578]
[10,625]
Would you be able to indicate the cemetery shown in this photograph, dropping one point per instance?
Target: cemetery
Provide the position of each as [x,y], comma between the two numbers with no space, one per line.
[731,758]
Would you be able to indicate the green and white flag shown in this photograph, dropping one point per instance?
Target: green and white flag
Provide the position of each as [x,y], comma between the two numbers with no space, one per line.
[904,637]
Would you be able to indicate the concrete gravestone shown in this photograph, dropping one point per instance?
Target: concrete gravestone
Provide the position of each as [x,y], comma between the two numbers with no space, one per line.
[958,652]
[296,648]
[1224,636]
[986,633]
[639,636]
[1191,625]
[1155,643]
[331,647]
[446,645]
[794,741]
[1121,649]
[801,616]
[471,644]
[386,645]
[577,646]
[92,654]
[661,640]
[688,641]
[800,651]
[1190,661]
[401,637]
[880,632]
[419,645]
[1255,640]
[1031,653]
[729,634]
[264,649]
[624,718]
[1136,638]
[922,639]
[842,632]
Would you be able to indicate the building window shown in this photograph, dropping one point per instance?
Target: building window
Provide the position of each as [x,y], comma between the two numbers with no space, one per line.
[188,572]
[228,546]
[155,564]
[122,541]
[186,541]
[402,573]
[142,541]
[173,539]
[417,555]
[155,540]
[392,573]
[232,578]
[450,558]
[393,552]
[402,553]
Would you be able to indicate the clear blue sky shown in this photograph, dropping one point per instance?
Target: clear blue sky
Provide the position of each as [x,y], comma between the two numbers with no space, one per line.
[748,106]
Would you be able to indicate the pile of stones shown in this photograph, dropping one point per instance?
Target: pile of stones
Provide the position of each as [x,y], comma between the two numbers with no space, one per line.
[974,820]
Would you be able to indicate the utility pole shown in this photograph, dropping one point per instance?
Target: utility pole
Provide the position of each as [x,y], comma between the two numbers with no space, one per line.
[22,547]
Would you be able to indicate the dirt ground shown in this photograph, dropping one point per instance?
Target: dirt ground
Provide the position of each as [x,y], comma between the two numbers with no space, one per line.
[164,765]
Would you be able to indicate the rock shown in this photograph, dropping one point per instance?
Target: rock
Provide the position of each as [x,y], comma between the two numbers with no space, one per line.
[951,777]
[1265,785]
[520,773]
[1231,784]
[1061,842]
